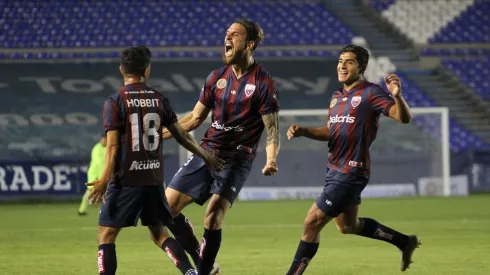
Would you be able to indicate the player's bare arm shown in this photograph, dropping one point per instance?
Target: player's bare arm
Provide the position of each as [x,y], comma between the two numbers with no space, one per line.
[190,121]
[400,111]
[321,133]
[189,143]
[271,122]
[100,185]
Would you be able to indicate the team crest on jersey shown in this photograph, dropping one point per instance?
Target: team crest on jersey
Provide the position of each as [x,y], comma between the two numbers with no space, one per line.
[249,89]
[355,101]
[333,102]
[221,83]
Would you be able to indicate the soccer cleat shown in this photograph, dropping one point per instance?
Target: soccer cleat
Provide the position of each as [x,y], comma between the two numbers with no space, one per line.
[216,269]
[82,213]
[413,243]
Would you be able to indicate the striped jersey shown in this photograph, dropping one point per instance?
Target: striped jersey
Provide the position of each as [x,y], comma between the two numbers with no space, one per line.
[237,107]
[354,122]
[138,112]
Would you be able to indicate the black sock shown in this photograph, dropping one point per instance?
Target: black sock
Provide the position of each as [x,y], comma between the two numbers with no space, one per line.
[210,244]
[184,233]
[305,252]
[106,259]
[374,230]
[177,254]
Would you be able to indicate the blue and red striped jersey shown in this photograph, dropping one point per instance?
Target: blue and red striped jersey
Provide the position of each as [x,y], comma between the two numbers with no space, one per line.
[237,107]
[138,112]
[354,122]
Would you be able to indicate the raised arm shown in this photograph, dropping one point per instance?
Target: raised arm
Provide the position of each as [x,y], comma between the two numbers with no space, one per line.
[190,121]
[271,122]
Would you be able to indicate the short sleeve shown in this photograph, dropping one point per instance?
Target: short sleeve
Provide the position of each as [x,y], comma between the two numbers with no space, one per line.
[169,116]
[381,101]
[111,118]
[206,96]
[269,97]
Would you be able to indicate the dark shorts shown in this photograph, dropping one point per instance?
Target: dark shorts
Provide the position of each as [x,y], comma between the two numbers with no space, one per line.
[196,180]
[125,205]
[339,193]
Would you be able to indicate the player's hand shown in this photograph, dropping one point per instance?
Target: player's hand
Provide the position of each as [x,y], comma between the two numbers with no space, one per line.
[99,192]
[295,131]
[270,168]
[213,161]
[393,84]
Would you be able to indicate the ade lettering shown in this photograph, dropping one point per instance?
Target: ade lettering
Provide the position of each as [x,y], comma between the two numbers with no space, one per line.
[29,178]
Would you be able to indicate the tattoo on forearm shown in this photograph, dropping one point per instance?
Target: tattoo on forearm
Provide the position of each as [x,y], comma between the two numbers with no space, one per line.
[271,122]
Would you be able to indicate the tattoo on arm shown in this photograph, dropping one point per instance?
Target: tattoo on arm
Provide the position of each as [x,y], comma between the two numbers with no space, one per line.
[271,122]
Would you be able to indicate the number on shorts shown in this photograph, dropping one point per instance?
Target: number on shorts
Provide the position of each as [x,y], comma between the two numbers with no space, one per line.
[151,135]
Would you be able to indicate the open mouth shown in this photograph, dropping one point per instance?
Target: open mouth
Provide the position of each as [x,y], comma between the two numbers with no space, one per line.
[228,49]
[343,73]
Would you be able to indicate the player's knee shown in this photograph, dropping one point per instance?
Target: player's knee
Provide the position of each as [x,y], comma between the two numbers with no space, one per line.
[158,235]
[345,229]
[214,219]
[107,235]
[315,219]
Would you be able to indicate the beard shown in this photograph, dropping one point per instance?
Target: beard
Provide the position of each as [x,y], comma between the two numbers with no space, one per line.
[238,57]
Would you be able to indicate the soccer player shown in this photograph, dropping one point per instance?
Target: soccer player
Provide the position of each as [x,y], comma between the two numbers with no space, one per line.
[131,186]
[352,126]
[243,100]
[94,171]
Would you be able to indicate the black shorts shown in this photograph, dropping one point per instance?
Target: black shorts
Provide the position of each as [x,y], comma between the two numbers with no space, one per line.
[125,205]
[197,181]
[338,194]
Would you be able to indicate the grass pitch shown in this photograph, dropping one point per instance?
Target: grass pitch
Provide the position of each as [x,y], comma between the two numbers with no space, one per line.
[258,238]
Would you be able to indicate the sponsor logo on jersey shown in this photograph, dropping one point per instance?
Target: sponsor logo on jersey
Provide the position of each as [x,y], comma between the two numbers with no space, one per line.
[333,102]
[144,165]
[218,126]
[355,101]
[355,163]
[221,83]
[342,119]
[249,89]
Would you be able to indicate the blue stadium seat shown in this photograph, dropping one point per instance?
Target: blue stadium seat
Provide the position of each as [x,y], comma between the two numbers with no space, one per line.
[473,72]
[471,26]
[160,23]
[460,138]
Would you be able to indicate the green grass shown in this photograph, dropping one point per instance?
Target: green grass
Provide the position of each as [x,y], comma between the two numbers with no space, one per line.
[258,238]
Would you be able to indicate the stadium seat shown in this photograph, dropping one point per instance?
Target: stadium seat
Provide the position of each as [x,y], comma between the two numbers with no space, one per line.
[439,21]
[187,23]
[473,72]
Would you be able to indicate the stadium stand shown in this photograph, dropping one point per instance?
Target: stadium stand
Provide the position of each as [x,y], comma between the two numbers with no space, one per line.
[59,30]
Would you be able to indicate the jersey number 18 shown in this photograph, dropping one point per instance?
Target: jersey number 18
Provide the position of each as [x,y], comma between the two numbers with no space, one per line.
[151,135]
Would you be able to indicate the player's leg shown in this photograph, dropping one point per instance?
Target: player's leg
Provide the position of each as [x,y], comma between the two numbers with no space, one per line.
[225,189]
[314,222]
[172,248]
[189,184]
[155,213]
[121,209]
[82,210]
[328,205]
[211,240]
[349,223]
[106,256]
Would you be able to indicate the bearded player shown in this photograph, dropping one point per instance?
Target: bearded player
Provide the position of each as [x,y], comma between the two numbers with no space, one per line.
[352,126]
[243,100]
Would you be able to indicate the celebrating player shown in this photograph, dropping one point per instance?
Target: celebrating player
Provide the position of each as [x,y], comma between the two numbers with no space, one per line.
[132,174]
[243,100]
[352,126]
[95,170]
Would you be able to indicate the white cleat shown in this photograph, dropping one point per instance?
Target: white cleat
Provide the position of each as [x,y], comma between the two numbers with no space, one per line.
[216,269]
